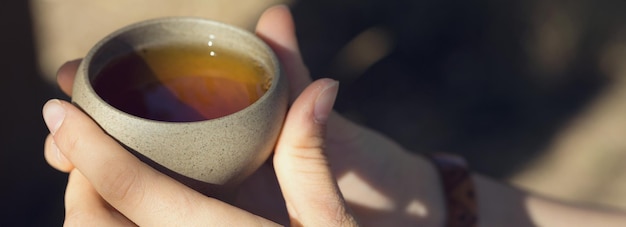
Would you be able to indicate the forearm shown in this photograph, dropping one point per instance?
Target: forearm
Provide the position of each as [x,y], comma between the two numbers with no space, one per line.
[502,205]
[409,179]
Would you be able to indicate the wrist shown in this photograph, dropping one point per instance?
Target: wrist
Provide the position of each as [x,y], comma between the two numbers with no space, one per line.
[423,191]
[500,204]
[458,190]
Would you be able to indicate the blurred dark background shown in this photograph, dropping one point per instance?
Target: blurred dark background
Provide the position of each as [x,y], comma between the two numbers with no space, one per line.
[458,76]
[31,191]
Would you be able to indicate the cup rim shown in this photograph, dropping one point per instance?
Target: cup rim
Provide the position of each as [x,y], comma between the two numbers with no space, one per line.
[86,62]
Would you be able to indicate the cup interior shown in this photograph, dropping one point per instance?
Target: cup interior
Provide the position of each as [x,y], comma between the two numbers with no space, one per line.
[211,37]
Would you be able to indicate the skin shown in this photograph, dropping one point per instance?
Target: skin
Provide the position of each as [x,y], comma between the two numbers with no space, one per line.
[301,186]
[325,171]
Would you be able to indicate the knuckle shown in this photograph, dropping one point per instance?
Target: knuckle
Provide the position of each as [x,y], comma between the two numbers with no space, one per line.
[76,217]
[67,142]
[339,216]
[308,154]
[311,142]
[90,217]
[121,183]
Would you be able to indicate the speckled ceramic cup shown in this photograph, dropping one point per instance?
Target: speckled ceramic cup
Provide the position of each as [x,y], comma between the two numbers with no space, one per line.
[221,151]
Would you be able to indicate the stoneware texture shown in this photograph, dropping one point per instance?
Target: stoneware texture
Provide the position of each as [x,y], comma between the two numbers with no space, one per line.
[221,151]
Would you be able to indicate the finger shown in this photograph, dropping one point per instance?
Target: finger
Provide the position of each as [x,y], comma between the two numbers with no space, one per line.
[55,158]
[276,28]
[85,207]
[66,75]
[142,194]
[310,190]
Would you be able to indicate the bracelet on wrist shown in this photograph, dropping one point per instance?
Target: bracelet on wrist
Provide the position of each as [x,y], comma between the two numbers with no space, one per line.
[460,197]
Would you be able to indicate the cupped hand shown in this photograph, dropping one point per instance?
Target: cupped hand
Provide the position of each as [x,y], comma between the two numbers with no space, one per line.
[320,158]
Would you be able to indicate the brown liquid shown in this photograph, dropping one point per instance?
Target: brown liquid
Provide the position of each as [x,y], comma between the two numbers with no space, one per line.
[181,83]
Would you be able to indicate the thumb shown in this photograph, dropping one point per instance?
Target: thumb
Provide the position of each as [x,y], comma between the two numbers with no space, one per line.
[142,194]
[311,193]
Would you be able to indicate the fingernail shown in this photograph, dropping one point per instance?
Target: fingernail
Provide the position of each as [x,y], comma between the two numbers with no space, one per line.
[53,115]
[324,102]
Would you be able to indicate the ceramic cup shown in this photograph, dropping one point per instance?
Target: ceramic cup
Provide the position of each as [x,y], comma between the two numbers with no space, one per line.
[221,151]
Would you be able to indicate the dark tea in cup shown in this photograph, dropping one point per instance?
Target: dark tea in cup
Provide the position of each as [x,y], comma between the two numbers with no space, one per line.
[181,82]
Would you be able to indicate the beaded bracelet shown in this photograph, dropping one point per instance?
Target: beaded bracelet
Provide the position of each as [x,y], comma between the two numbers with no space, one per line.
[459,193]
